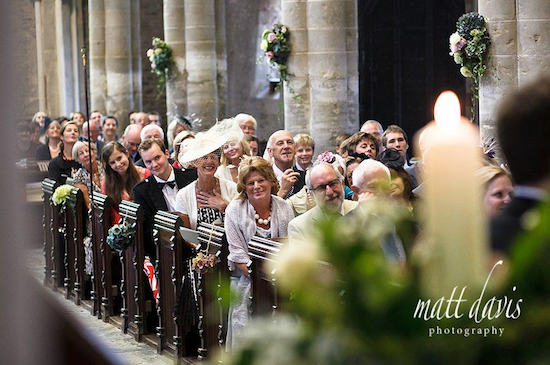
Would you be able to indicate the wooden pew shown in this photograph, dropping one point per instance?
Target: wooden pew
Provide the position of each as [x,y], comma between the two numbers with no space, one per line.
[107,271]
[74,232]
[212,312]
[48,188]
[266,298]
[57,254]
[134,282]
[173,254]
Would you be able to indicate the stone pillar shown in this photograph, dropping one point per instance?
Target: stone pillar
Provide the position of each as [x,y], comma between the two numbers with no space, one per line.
[77,41]
[135,25]
[327,71]
[296,91]
[64,57]
[118,59]
[502,74]
[533,35]
[221,58]
[174,36]
[352,53]
[200,40]
[39,55]
[50,59]
[97,71]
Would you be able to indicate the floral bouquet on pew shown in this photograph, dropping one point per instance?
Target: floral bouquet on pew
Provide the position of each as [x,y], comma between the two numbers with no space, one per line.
[61,196]
[120,236]
[204,262]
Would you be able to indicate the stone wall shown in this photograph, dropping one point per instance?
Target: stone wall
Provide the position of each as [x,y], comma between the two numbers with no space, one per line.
[26,41]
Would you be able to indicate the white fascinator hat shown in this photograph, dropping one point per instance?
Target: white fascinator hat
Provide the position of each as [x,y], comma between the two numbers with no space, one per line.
[208,142]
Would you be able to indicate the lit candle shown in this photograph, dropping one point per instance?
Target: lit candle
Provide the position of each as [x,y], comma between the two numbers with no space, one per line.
[455,246]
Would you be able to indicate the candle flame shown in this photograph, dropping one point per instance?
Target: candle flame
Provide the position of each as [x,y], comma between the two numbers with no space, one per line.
[447,109]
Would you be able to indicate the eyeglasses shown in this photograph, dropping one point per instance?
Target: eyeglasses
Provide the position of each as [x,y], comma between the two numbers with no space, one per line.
[323,187]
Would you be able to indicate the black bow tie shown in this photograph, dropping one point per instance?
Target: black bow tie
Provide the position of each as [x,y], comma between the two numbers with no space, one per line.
[171,184]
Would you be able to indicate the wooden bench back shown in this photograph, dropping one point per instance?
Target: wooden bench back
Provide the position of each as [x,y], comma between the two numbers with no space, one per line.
[48,188]
[173,254]
[134,282]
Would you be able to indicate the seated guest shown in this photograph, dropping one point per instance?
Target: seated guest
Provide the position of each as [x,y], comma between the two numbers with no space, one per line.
[375,129]
[254,144]
[91,130]
[141,119]
[181,139]
[257,211]
[351,164]
[371,181]
[64,165]
[205,199]
[305,147]
[79,118]
[523,120]
[247,123]
[280,152]
[26,148]
[361,144]
[108,129]
[121,175]
[131,140]
[150,131]
[176,126]
[154,118]
[96,116]
[51,149]
[401,187]
[327,184]
[89,174]
[233,152]
[497,188]
[36,133]
[158,192]
[339,139]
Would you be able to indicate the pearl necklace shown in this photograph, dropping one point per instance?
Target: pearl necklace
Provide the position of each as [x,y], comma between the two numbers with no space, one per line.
[262,221]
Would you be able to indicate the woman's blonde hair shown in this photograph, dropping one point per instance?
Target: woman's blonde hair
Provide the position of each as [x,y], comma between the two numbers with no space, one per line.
[244,146]
[252,164]
[486,174]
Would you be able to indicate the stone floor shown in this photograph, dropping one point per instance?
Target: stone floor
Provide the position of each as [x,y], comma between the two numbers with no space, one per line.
[122,345]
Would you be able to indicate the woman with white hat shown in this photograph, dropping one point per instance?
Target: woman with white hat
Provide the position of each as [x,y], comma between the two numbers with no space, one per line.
[205,199]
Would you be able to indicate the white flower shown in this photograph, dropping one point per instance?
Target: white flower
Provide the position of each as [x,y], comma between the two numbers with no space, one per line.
[454,38]
[158,51]
[264,45]
[153,66]
[457,57]
[465,72]
[150,52]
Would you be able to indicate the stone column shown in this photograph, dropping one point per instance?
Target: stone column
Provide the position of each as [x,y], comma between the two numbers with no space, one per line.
[200,40]
[64,57]
[118,58]
[97,71]
[533,35]
[221,58]
[77,41]
[327,71]
[296,91]
[174,36]
[501,75]
[135,25]
[352,52]
[39,55]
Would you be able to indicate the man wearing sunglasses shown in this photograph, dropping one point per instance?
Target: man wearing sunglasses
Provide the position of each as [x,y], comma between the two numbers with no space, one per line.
[327,185]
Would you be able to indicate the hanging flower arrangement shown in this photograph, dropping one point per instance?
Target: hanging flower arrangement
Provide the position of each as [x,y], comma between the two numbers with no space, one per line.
[276,46]
[120,236]
[162,63]
[469,46]
[61,197]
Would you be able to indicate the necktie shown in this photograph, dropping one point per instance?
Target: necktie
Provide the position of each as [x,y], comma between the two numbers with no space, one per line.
[171,184]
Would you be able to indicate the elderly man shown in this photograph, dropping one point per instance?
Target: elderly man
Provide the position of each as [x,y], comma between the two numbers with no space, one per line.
[158,192]
[92,130]
[371,180]
[131,140]
[247,123]
[280,152]
[371,126]
[141,119]
[327,185]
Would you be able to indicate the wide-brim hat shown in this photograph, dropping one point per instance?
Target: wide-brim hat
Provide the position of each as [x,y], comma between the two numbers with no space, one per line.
[223,131]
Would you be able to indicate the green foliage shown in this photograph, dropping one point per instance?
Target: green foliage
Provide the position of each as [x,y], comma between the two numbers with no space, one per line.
[120,236]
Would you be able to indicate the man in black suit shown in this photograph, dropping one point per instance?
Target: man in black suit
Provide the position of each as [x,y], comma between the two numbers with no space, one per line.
[158,192]
[281,150]
[523,120]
